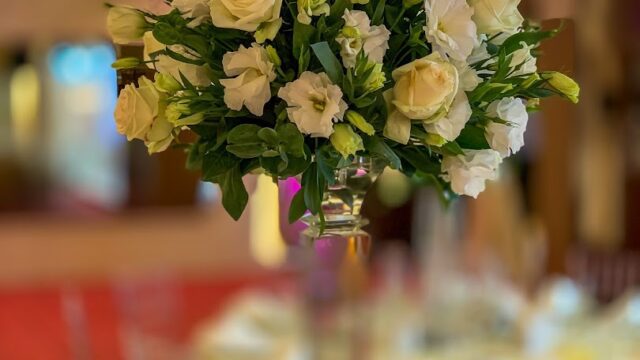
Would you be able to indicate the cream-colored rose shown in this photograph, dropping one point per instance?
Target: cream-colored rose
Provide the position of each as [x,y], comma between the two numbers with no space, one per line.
[425,88]
[262,16]
[496,16]
[197,75]
[450,126]
[253,73]
[140,114]
[125,25]
[314,103]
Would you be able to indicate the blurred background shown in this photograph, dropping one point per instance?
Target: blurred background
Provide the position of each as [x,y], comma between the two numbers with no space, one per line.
[107,253]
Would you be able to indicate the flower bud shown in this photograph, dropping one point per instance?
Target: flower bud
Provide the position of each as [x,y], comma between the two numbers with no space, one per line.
[273,56]
[564,84]
[125,63]
[309,8]
[345,140]
[435,140]
[176,110]
[125,25]
[167,83]
[376,79]
[357,120]
[530,80]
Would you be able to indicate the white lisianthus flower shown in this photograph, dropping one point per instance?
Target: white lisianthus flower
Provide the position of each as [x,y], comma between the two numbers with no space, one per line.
[125,25]
[314,103]
[469,79]
[450,29]
[197,75]
[523,62]
[260,16]
[309,8]
[198,10]
[507,139]
[496,16]
[450,126]
[358,35]
[140,114]
[468,173]
[253,73]
[425,87]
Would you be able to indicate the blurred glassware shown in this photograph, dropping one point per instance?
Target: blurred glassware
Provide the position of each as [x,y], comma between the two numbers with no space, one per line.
[150,312]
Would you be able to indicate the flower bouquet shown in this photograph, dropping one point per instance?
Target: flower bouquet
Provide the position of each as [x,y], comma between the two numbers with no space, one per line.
[438,89]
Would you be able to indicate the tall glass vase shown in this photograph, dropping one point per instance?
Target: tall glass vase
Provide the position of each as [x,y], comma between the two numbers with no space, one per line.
[333,264]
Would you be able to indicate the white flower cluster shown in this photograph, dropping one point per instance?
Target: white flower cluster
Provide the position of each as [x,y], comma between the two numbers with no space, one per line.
[430,100]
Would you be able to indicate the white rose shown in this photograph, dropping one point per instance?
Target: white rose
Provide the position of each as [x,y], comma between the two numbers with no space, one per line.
[523,62]
[450,126]
[358,35]
[253,73]
[507,138]
[450,29]
[468,173]
[197,75]
[261,16]
[495,16]
[314,103]
[140,114]
[198,10]
[125,25]
[425,87]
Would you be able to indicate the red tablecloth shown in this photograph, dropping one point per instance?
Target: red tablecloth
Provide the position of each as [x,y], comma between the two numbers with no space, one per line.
[57,322]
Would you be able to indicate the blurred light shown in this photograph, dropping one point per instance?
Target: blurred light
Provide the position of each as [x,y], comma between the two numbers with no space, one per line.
[85,153]
[24,93]
[267,245]
[394,188]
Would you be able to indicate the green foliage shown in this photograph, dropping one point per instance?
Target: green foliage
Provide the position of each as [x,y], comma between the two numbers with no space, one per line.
[231,144]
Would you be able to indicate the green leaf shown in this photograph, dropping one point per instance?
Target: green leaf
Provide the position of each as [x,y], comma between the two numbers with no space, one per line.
[166,34]
[297,207]
[195,157]
[292,139]
[313,185]
[217,163]
[338,8]
[377,146]
[472,137]
[327,159]
[379,13]
[419,160]
[332,66]
[301,37]
[247,150]
[181,58]
[244,133]
[234,194]
[269,136]
[513,43]
[452,148]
